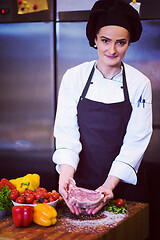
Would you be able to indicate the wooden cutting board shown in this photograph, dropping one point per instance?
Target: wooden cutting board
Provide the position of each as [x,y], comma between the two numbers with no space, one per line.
[68,227]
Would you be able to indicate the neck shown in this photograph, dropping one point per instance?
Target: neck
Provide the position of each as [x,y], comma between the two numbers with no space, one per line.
[108,71]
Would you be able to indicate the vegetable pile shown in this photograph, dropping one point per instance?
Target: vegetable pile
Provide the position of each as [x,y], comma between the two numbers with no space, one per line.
[117,206]
[39,195]
[26,190]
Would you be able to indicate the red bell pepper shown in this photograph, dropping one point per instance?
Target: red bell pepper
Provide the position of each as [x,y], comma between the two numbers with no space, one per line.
[4,182]
[22,215]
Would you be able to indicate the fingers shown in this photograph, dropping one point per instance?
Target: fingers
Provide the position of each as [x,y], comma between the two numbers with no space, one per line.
[73,208]
[108,197]
[95,210]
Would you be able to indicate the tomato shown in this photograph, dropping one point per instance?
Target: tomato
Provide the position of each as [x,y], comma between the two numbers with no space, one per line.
[51,199]
[42,190]
[14,194]
[28,191]
[35,202]
[20,199]
[119,202]
[30,198]
[39,195]
[49,195]
[46,195]
[35,192]
[46,201]
[55,195]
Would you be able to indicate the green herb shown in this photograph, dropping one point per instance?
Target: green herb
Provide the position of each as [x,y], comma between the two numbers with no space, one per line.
[5,201]
[111,207]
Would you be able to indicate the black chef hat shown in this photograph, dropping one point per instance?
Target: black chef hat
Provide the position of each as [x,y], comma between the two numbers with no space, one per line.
[113,12]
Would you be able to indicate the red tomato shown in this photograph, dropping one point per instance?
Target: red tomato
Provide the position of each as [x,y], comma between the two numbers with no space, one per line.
[30,198]
[14,194]
[51,199]
[42,190]
[35,202]
[20,200]
[39,195]
[34,192]
[46,195]
[28,191]
[55,195]
[119,202]
[49,194]
[46,201]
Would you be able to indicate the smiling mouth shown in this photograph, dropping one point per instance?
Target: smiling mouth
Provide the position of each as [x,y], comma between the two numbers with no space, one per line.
[111,57]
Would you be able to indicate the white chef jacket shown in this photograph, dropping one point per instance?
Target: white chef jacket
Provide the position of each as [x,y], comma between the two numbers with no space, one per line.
[139,129]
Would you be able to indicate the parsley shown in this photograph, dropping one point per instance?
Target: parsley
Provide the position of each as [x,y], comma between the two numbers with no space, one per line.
[5,201]
[111,207]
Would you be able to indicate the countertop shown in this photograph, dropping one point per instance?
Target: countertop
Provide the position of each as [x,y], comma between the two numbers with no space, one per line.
[104,225]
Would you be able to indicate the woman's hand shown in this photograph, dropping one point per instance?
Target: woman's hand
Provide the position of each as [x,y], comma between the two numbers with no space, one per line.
[66,172]
[107,189]
[108,194]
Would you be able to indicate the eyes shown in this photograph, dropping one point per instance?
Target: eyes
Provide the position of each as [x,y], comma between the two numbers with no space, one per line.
[118,42]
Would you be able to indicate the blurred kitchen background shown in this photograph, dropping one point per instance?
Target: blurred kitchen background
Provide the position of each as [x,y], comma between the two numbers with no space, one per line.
[38,43]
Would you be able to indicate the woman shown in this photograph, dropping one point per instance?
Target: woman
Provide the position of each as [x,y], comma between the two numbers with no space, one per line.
[104,115]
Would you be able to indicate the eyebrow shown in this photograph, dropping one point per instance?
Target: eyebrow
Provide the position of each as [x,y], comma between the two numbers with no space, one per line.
[121,39]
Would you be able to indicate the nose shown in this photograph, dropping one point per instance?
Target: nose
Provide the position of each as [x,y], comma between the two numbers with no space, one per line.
[112,49]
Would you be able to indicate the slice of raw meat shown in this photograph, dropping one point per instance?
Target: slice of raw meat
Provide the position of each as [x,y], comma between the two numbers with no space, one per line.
[83,198]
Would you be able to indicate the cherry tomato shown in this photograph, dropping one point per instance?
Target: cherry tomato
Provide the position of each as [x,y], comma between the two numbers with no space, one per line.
[119,202]
[49,195]
[46,195]
[20,199]
[14,194]
[39,195]
[35,192]
[42,190]
[30,198]
[46,201]
[55,195]
[28,191]
[35,202]
[51,199]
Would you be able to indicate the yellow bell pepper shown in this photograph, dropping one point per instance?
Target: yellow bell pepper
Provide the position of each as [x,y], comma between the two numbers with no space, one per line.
[30,181]
[44,215]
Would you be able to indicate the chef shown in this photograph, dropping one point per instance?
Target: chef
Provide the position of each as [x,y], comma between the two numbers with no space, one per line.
[104,115]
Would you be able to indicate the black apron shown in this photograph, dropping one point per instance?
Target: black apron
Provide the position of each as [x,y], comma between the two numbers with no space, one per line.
[102,128]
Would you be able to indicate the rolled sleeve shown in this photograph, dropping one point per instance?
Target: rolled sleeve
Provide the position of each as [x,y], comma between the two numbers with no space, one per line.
[125,172]
[65,156]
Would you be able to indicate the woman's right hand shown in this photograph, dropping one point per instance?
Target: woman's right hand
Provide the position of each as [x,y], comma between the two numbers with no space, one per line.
[67,172]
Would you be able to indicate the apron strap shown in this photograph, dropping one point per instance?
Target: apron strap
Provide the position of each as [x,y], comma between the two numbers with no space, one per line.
[125,89]
[87,84]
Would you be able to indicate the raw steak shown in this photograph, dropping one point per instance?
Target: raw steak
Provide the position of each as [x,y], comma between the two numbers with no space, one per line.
[83,198]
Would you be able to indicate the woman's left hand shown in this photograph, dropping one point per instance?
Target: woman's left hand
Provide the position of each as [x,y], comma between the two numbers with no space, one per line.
[108,194]
[107,189]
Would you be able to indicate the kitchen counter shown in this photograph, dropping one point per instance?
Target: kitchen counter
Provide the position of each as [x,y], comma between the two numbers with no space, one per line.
[106,226]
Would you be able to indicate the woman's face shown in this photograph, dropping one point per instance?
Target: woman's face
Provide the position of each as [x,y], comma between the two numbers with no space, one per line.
[112,43]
